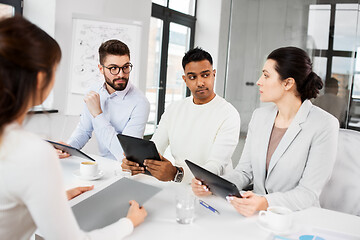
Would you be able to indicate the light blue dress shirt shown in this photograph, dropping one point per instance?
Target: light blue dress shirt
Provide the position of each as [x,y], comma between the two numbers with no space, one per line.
[123,112]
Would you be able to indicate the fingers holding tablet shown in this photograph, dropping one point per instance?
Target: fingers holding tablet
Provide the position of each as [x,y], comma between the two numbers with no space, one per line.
[132,166]
[162,170]
[61,153]
[199,189]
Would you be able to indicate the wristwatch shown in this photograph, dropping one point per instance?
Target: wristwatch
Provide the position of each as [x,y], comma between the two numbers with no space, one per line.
[179,174]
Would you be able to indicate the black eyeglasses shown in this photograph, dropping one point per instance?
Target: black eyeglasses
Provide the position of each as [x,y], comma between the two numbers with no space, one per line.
[114,70]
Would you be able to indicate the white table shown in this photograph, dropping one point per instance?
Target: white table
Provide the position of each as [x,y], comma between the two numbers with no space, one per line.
[161,224]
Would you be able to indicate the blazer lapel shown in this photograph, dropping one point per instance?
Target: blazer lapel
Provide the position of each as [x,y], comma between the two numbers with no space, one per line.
[266,129]
[290,134]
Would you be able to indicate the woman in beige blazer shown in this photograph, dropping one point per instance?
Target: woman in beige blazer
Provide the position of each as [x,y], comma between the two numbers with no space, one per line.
[32,192]
[291,146]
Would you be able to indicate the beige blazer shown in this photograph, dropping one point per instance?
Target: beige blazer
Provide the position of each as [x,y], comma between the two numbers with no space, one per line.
[301,164]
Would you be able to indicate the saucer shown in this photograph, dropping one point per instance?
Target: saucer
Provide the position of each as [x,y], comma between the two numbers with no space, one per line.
[266,226]
[89,178]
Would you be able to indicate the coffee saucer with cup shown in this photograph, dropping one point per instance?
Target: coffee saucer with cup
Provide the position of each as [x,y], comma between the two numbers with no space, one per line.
[89,171]
[276,219]
[99,174]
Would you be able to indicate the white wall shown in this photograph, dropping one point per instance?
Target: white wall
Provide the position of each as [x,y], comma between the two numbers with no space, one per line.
[225,18]
[55,17]
[258,27]
[44,19]
[207,27]
[32,13]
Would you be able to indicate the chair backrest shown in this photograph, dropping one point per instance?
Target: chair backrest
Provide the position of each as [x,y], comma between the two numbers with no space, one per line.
[342,192]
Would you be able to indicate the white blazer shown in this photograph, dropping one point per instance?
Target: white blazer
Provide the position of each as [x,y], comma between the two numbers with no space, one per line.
[301,164]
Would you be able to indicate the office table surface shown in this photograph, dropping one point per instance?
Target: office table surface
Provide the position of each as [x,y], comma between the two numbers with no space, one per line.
[161,224]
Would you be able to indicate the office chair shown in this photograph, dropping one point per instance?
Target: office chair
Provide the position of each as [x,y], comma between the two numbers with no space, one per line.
[342,192]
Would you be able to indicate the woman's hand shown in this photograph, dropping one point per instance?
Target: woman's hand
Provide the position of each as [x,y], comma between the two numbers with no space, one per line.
[199,189]
[249,204]
[74,192]
[136,214]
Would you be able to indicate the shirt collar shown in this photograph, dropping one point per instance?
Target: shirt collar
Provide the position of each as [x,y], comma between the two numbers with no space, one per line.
[120,94]
[205,104]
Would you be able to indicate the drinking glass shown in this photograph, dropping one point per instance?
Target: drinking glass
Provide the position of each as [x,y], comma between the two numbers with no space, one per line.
[185,207]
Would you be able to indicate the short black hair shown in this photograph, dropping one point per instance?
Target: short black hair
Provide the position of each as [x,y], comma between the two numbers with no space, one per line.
[112,47]
[332,83]
[195,55]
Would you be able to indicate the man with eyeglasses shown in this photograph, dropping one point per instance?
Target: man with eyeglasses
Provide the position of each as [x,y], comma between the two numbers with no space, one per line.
[112,107]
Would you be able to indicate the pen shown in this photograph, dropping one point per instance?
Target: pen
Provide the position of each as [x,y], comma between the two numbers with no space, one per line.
[208,206]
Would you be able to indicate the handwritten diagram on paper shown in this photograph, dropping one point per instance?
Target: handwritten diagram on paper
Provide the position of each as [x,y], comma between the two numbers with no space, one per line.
[87,38]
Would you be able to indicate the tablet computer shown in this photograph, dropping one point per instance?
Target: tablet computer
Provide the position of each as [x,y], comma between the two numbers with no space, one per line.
[138,149]
[71,150]
[111,203]
[217,185]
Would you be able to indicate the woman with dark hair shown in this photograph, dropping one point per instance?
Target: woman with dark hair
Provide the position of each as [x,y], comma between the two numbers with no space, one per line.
[31,187]
[290,148]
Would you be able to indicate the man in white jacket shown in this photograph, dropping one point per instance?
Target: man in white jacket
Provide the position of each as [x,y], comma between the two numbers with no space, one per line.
[203,128]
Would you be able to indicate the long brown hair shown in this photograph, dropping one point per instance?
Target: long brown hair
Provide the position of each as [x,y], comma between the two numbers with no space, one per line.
[25,50]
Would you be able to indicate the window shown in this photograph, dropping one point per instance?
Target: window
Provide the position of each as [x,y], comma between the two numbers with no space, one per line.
[6,11]
[332,36]
[172,29]
[318,26]
[8,8]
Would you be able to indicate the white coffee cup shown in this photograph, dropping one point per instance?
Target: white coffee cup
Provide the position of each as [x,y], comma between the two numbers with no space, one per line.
[277,218]
[89,169]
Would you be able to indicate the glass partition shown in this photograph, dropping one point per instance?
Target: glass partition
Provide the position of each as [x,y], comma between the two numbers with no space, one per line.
[354,106]
[153,71]
[179,40]
[327,29]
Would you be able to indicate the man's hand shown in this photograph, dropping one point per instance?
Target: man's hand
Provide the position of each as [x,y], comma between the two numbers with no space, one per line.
[132,166]
[199,189]
[136,213]
[92,100]
[74,192]
[249,204]
[61,153]
[162,170]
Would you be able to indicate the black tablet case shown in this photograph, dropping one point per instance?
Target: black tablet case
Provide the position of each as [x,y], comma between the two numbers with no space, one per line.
[217,185]
[137,150]
[71,150]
